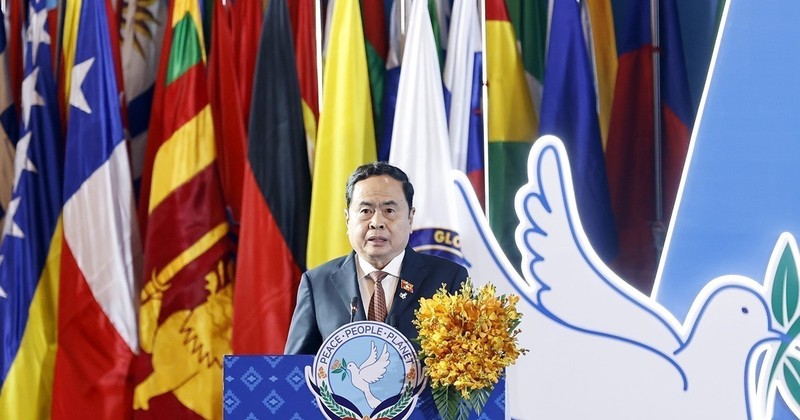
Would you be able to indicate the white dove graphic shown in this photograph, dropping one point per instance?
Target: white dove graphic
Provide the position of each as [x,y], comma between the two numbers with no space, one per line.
[369,372]
[594,338]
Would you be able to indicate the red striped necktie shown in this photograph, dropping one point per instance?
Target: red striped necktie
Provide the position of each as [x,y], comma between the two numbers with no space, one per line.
[377,305]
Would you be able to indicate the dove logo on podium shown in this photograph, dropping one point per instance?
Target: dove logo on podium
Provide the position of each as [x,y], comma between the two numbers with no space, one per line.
[366,369]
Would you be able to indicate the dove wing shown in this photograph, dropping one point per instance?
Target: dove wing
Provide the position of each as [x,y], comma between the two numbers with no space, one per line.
[373,356]
[375,371]
[557,255]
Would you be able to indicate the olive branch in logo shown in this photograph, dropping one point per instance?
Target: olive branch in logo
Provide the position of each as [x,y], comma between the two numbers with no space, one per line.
[401,404]
[340,367]
[333,406]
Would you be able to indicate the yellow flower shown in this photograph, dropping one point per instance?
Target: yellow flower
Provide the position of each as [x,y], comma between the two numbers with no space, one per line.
[467,339]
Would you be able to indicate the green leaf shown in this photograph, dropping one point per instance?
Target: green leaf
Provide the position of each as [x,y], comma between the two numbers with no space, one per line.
[785,287]
[344,375]
[447,401]
[784,303]
[791,370]
[333,406]
[478,399]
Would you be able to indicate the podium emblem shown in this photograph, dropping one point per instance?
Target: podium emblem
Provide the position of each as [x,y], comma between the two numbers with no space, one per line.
[366,370]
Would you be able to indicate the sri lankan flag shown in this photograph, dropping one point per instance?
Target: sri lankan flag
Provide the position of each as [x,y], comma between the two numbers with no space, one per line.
[185,315]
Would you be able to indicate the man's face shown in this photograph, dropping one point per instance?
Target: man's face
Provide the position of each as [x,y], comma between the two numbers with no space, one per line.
[378,220]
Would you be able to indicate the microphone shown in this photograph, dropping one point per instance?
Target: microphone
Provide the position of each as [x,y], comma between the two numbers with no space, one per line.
[353,307]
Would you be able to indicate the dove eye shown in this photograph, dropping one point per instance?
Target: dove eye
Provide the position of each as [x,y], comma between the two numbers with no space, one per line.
[745,310]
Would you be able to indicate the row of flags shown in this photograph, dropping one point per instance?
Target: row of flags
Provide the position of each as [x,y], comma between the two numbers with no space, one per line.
[169,169]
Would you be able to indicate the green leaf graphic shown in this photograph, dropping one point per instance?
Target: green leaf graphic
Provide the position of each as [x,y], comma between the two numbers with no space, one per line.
[784,304]
[791,370]
[785,289]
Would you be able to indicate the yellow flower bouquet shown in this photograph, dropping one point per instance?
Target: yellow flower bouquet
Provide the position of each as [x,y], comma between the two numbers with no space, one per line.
[467,339]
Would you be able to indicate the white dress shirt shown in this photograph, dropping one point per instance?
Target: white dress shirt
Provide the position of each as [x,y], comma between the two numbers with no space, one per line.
[366,285]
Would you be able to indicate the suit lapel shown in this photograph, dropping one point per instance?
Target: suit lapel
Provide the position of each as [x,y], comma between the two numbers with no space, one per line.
[412,276]
[345,283]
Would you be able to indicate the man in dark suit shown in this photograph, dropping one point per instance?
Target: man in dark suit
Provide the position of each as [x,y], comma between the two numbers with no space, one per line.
[382,274]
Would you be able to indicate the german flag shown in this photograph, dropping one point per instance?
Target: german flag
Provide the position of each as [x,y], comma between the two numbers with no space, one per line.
[277,196]
[185,315]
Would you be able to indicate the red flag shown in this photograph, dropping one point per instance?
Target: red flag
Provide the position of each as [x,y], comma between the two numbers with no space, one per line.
[229,74]
[277,197]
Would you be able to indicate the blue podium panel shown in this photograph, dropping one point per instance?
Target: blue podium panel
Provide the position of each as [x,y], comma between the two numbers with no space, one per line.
[274,387]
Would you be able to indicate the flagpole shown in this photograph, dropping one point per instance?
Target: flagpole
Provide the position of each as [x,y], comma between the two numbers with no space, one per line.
[658,225]
[318,50]
[485,107]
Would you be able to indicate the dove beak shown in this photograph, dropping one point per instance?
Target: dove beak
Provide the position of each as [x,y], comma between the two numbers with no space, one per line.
[779,336]
[783,337]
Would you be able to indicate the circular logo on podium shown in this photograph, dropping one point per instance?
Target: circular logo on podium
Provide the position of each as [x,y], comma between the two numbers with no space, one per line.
[364,370]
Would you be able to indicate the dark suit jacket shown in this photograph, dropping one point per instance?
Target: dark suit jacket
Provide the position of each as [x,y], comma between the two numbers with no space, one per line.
[325,293]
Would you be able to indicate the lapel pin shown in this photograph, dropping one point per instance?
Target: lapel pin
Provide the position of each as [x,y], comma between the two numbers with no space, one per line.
[407,286]
[403,295]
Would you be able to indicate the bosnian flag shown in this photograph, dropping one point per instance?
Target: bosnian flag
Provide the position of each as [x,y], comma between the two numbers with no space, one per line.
[97,332]
[420,144]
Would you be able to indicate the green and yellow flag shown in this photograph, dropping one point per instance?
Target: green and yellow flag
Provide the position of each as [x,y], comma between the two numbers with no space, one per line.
[513,121]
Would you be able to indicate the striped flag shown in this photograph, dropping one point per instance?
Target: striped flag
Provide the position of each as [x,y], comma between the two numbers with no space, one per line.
[631,143]
[569,111]
[185,315]
[346,137]
[512,125]
[31,249]
[603,54]
[8,126]
[529,19]
[305,48]
[463,80]
[420,143]
[676,105]
[142,25]
[277,197]
[97,336]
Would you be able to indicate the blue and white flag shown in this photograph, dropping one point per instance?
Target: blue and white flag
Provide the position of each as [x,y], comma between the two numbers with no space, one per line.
[463,73]
[569,112]
[420,143]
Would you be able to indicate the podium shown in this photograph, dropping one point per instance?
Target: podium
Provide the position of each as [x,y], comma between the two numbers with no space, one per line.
[274,387]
